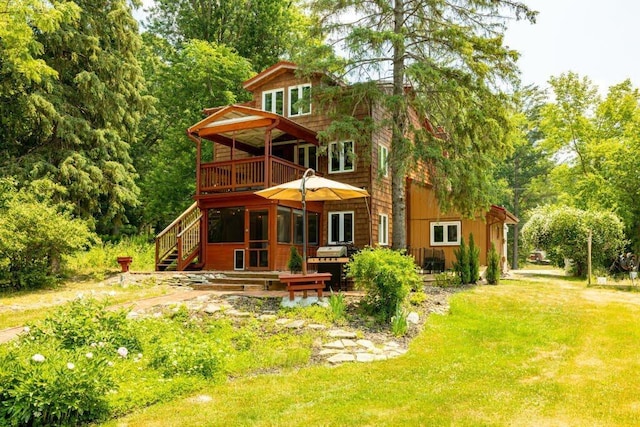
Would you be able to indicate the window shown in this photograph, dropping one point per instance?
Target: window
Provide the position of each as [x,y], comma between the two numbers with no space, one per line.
[383,230]
[226,225]
[307,156]
[383,164]
[445,233]
[340,227]
[299,100]
[341,157]
[284,225]
[288,228]
[273,101]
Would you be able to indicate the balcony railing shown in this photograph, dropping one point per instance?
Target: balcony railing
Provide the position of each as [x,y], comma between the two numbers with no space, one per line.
[246,174]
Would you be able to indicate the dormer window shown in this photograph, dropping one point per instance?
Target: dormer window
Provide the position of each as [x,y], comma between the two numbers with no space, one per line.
[299,100]
[273,101]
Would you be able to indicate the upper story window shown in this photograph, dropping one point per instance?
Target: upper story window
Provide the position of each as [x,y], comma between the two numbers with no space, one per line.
[273,101]
[307,156]
[341,156]
[445,233]
[299,100]
[383,164]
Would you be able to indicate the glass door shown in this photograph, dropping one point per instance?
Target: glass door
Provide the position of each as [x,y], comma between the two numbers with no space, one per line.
[258,239]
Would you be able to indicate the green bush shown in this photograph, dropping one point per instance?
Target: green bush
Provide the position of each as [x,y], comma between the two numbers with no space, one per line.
[461,265]
[338,306]
[295,260]
[447,280]
[493,266]
[474,260]
[35,234]
[386,276]
[42,385]
[399,323]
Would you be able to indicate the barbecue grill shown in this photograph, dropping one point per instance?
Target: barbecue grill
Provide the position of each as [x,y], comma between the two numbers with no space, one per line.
[333,259]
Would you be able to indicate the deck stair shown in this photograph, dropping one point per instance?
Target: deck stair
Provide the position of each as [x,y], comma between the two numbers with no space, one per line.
[178,245]
[228,280]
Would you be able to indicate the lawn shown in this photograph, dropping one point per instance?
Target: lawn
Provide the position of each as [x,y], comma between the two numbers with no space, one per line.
[538,351]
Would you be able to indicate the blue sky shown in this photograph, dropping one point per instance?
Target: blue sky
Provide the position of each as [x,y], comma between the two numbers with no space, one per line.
[594,38]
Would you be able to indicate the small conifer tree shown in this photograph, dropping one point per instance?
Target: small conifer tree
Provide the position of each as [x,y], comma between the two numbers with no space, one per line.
[493,266]
[461,265]
[474,260]
[295,261]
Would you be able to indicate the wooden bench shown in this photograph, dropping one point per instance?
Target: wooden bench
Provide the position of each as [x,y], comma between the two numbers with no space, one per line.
[304,282]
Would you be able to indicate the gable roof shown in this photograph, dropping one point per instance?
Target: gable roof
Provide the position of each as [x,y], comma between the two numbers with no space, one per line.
[269,74]
[244,127]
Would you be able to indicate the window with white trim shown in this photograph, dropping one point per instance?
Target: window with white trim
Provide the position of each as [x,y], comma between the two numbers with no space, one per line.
[299,100]
[445,233]
[307,156]
[383,229]
[341,227]
[273,101]
[383,164]
[341,157]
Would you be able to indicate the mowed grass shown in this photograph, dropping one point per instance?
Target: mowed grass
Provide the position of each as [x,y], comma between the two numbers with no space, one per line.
[541,351]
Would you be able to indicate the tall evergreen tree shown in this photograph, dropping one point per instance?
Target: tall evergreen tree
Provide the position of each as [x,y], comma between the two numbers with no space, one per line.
[78,127]
[452,55]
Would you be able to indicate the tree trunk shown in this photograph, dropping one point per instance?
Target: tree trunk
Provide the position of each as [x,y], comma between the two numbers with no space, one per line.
[398,150]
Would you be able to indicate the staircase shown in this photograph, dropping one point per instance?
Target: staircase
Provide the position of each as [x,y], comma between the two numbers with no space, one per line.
[178,245]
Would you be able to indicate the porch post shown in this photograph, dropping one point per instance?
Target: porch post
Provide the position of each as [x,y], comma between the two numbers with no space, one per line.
[267,157]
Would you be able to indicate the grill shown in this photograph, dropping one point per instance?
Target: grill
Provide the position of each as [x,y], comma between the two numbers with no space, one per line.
[332,259]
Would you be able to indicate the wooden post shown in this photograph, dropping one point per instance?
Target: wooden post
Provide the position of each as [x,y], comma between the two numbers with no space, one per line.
[589,257]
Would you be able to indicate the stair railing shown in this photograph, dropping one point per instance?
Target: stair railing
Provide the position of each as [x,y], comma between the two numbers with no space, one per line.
[188,241]
[167,239]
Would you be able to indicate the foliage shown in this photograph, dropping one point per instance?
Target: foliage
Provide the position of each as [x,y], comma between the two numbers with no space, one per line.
[447,279]
[399,323]
[453,57]
[594,141]
[474,260]
[35,233]
[295,260]
[40,386]
[101,258]
[386,276]
[338,306]
[493,266]
[262,31]
[462,263]
[197,75]
[563,233]
[76,126]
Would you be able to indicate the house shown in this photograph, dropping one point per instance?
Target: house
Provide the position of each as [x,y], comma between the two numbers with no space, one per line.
[271,140]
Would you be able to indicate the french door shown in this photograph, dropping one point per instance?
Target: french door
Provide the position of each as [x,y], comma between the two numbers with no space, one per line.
[258,239]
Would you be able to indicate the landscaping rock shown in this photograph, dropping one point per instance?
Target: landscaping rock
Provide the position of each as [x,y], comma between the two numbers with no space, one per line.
[366,344]
[341,358]
[267,317]
[349,343]
[413,317]
[316,326]
[296,324]
[212,308]
[365,357]
[335,344]
[339,333]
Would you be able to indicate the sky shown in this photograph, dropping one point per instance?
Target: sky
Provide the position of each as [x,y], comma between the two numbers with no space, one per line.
[593,38]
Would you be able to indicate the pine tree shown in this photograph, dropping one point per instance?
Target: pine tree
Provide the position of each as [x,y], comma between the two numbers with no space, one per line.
[461,265]
[493,266]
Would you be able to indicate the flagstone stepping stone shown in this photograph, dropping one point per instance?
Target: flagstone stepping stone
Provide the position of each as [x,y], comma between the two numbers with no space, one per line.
[282,321]
[339,333]
[349,343]
[365,357]
[341,358]
[266,317]
[212,308]
[335,344]
[296,324]
[366,344]
[316,326]
[236,313]
[328,351]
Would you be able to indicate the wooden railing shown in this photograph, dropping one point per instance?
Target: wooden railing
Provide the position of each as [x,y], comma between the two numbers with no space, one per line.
[167,240]
[188,242]
[246,174]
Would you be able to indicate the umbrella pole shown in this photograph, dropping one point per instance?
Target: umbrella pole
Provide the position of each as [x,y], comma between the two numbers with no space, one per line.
[303,190]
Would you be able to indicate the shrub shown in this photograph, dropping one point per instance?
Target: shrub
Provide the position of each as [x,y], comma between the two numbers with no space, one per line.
[35,233]
[295,260]
[474,260]
[399,323]
[386,276]
[101,258]
[493,266]
[461,265]
[338,306]
[447,280]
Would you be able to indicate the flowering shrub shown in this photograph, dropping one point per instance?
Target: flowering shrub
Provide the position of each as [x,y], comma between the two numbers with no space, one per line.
[51,386]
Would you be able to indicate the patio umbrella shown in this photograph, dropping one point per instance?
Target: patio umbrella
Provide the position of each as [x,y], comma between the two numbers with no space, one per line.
[313,188]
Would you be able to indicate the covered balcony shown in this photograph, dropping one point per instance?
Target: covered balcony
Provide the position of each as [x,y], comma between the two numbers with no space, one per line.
[251,149]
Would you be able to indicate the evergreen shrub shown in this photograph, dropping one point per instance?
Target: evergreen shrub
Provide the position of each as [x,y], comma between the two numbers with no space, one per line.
[493,266]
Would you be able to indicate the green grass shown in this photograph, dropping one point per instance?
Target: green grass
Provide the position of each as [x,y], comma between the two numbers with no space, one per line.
[545,351]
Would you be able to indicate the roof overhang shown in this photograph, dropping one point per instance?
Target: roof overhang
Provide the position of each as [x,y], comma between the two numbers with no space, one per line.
[503,215]
[269,74]
[245,128]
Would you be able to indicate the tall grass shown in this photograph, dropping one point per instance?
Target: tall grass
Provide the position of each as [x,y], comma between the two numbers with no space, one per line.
[101,259]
